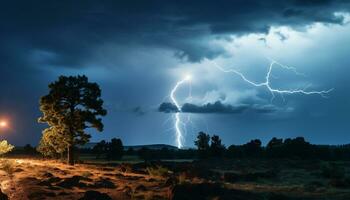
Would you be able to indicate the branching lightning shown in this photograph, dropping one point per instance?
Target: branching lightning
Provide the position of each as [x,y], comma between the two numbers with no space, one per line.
[178,122]
[267,82]
[180,125]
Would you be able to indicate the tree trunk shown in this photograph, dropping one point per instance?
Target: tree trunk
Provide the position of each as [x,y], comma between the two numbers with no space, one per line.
[70,154]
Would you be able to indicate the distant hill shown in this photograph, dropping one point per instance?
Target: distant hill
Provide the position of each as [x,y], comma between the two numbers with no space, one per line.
[90,145]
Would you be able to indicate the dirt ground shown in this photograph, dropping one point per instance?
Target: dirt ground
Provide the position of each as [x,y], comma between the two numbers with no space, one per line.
[37,179]
[214,179]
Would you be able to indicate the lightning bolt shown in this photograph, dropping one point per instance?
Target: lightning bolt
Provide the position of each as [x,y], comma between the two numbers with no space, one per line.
[267,82]
[178,122]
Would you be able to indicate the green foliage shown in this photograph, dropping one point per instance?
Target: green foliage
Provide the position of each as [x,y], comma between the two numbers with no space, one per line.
[52,144]
[72,105]
[158,171]
[5,147]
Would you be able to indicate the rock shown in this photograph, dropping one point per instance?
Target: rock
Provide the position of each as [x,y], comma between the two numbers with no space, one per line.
[124,168]
[95,195]
[18,170]
[104,183]
[53,179]
[49,181]
[47,175]
[41,195]
[3,196]
[73,181]
[141,188]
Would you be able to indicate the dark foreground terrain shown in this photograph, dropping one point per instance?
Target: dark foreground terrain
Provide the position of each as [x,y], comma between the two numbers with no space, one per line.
[212,179]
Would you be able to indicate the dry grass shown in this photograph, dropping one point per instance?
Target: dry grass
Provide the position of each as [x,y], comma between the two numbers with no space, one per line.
[35,179]
[44,178]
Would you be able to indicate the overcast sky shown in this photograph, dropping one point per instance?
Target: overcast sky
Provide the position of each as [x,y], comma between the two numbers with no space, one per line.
[138,50]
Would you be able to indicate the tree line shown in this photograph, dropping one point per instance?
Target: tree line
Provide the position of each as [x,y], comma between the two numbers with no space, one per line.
[211,147]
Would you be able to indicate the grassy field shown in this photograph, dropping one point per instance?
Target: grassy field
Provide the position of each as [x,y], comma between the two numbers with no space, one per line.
[131,178]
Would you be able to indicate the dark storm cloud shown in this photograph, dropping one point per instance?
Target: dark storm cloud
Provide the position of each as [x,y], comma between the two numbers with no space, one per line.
[37,36]
[71,30]
[167,107]
[265,109]
[217,107]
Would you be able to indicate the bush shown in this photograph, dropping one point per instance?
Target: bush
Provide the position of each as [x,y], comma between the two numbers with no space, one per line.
[5,147]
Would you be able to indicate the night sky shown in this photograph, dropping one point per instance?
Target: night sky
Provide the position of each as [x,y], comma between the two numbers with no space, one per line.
[138,50]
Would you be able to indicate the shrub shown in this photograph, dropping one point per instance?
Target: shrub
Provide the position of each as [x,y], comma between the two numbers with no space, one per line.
[5,147]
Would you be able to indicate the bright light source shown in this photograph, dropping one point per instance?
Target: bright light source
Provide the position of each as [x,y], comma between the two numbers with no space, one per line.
[3,124]
[188,77]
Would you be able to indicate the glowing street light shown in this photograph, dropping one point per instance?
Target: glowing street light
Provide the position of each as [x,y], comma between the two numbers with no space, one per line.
[3,124]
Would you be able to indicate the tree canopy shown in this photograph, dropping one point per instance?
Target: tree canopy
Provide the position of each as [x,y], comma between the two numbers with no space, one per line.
[72,105]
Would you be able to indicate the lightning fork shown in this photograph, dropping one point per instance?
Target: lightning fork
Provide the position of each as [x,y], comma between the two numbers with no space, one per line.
[267,84]
[178,122]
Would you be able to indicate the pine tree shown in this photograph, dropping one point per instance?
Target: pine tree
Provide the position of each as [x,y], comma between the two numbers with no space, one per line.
[72,105]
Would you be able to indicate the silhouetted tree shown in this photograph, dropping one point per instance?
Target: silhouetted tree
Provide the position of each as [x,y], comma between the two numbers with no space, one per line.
[297,147]
[28,149]
[202,141]
[100,148]
[72,105]
[202,144]
[216,148]
[274,142]
[253,148]
[130,151]
[275,147]
[115,149]
[235,151]
[145,154]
